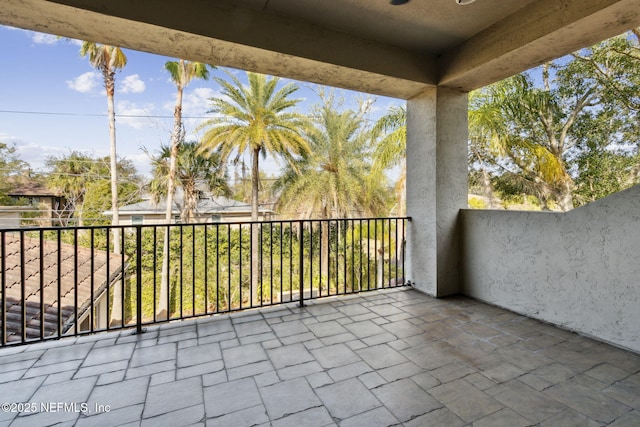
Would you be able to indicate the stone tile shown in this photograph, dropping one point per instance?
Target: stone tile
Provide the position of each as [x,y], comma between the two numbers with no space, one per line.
[587,401]
[240,356]
[626,391]
[335,355]
[218,326]
[347,398]
[114,417]
[215,378]
[379,339]
[200,354]
[146,370]
[526,401]
[64,354]
[349,371]
[438,417]
[338,339]
[372,380]
[223,398]
[607,373]
[319,379]
[174,396]
[75,393]
[111,377]
[452,372]
[249,370]
[245,417]
[184,417]
[405,399]
[327,329]
[364,329]
[252,328]
[630,419]
[102,368]
[200,369]
[314,417]
[504,417]
[109,354]
[502,372]
[430,355]
[257,338]
[569,418]
[301,370]
[403,329]
[266,378]
[20,390]
[379,417]
[289,355]
[381,356]
[466,401]
[71,365]
[404,370]
[120,394]
[288,397]
[293,339]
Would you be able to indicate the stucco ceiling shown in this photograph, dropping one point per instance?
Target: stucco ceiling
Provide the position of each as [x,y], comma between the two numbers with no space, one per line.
[367,45]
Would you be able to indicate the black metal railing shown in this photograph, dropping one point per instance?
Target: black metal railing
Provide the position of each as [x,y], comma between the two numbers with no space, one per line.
[71,281]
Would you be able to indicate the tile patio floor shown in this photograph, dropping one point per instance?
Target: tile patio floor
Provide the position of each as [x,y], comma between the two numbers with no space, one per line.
[383,358]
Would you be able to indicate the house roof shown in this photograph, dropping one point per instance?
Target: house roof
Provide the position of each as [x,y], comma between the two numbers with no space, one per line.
[206,206]
[26,187]
[28,264]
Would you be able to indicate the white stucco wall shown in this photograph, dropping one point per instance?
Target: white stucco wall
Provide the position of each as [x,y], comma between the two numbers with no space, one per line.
[437,135]
[579,270]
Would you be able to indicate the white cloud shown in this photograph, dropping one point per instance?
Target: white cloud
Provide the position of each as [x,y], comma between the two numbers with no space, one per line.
[132,84]
[41,38]
[85,83]
[140,119]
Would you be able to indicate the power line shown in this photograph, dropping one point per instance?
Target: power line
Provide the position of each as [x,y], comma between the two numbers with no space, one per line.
[133,116]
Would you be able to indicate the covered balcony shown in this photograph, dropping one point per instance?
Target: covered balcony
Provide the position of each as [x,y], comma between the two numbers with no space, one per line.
[513,318]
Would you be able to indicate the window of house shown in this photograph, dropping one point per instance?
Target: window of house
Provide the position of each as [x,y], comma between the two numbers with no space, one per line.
[137,219]
[216,218]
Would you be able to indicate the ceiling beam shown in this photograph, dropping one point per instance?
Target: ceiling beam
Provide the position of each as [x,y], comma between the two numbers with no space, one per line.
[542,31]
[223,34]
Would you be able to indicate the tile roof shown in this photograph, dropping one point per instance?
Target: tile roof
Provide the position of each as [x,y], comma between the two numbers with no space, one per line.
[12,273]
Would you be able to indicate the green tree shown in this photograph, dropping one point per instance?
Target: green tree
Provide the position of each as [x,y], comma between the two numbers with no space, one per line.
[84,182]
[10,168]
[257,119]
[391,149]
[194,172]
[335,178]
[530,130]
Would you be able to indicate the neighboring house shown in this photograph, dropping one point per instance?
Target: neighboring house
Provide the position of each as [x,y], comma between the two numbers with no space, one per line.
[210,209]
[48,273]
[11,216]
[49,202]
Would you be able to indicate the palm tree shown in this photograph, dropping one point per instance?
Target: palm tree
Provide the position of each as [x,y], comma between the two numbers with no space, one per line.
[194,171]
[527,125]
[391,149]
[256,119]
[182,73]
[335,179]
[107,60]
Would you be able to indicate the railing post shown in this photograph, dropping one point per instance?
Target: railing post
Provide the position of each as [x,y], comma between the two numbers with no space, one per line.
[139,329]
[301,259]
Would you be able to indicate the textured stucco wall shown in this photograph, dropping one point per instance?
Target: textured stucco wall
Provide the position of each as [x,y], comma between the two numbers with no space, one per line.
[436,188]
[579,270]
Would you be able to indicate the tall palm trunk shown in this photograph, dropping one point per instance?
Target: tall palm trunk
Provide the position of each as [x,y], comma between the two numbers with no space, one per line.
[255,240]
[163,309]
[116,311]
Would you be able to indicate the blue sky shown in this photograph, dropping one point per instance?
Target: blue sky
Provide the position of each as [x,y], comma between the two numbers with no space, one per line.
[46,74]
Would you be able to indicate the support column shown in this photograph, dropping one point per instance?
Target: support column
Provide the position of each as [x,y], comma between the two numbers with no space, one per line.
[437,134]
